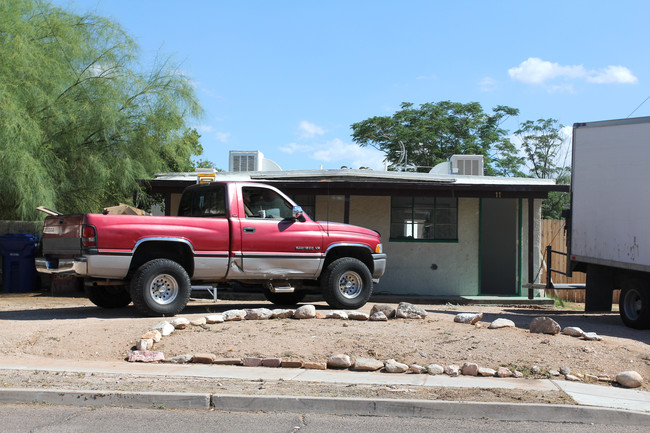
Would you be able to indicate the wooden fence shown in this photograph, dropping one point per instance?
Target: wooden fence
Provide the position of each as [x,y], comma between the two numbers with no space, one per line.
[553,234]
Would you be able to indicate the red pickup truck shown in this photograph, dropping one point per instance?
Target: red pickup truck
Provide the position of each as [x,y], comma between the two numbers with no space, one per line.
[225,231]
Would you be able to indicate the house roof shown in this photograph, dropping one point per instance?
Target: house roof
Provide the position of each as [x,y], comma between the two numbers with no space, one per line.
[375,182]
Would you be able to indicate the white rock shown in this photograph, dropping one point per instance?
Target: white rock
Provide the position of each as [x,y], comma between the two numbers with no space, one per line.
[180,322]
[435,369]
[214,318]
[378,316]
[281,313]
[417,369]
[144,344]
[406,310]
[452,370]
[259,314]
[502,323]
[592,336]
[504,372]
[393,366]
[367,364]
[337,315]
[573,331]
[155,335]
[165,328]
[339,361]
[517,374]
[572,378]
[629,379]
[470,318]
[305,312]
[358,315]
[388,311]
[544,325]
[483,371]
[233,315]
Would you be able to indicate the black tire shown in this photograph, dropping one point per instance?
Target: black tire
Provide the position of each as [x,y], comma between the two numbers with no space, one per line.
[346,284]
[288,299]
[160,287]
[634,304]
[108,296]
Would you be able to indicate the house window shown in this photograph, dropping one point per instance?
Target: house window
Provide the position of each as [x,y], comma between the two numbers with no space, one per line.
[424,219]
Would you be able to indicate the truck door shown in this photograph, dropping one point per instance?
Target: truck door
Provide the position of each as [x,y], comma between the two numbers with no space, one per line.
[274,244]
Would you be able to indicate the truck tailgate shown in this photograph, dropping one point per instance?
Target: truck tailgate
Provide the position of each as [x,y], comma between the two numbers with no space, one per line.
[62,235]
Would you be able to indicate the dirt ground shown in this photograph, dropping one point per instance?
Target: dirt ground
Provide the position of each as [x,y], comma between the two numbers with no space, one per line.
[41,326]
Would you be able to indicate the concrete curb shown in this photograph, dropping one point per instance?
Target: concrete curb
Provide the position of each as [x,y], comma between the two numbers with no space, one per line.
[431,409]
[341,406]
[160,400]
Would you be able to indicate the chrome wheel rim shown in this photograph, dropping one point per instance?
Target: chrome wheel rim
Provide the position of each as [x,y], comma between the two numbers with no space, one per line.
[163,289]
[632,304]
[350,285]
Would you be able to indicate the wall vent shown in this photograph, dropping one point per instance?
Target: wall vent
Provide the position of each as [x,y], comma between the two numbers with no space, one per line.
[245,160]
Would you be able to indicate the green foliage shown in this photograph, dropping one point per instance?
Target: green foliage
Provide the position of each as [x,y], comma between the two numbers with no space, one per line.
[541,141]
[80,121]
[433,132]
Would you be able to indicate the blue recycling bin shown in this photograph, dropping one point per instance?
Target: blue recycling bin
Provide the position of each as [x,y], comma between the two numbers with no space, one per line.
[18,270]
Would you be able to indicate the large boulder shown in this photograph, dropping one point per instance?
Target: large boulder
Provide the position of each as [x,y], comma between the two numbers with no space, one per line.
[339,361]
[367,364]
[629,379]
[393,366]
[544,325]
[388,310]
[258,314]
[305,312]
[469,318]
[409,311]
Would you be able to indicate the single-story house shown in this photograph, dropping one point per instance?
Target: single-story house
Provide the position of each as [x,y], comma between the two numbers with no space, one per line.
[445,235]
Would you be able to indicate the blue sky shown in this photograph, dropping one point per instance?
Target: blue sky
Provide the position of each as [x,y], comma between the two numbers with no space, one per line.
[288,78]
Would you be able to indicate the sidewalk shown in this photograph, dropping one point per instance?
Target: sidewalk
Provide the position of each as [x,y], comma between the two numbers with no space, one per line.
[596,403]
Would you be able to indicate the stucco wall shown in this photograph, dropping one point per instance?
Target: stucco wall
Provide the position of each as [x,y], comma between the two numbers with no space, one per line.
[424,268]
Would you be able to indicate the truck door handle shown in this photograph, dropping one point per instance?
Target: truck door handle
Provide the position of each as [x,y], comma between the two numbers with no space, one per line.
[249,229]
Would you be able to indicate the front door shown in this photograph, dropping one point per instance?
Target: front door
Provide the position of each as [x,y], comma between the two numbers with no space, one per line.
[498,255]
[274,245]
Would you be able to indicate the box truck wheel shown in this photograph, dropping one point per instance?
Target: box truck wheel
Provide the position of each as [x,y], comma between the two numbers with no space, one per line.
[346,283]
[160,287]
[108,296]
[634,303]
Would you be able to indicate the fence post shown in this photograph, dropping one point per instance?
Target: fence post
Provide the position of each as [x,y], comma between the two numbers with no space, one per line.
[549,266]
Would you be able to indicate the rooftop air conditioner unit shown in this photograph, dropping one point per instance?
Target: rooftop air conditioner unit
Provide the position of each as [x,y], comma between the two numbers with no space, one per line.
[245,160]
[467,165]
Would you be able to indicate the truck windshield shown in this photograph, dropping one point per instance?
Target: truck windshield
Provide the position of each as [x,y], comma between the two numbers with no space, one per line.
[265,203]
[204,202]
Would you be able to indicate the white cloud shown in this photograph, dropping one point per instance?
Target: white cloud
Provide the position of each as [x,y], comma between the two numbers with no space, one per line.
[349,154]
[487,84]
[309,130]
[222,136]
[613,74]
[539,72]
[337,153]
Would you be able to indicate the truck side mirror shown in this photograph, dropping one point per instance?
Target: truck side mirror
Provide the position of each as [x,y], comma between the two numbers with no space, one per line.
[298,214]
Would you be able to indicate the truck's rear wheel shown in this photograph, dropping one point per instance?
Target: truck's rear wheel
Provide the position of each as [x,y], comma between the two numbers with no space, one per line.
[346,283]
[284,298]
[634,304]
[108,296]
[160,287]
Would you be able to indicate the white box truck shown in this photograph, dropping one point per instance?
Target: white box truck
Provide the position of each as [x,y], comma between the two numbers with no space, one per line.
[609,221]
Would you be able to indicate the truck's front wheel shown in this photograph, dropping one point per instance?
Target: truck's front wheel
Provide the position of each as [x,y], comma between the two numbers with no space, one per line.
[346,283]
[634,304]
[160,287]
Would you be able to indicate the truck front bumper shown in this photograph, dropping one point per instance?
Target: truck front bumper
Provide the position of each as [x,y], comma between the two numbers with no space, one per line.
[73,266]
[379,267]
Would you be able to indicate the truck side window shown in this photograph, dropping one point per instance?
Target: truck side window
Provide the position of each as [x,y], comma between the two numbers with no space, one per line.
[265,203]
[204,202]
